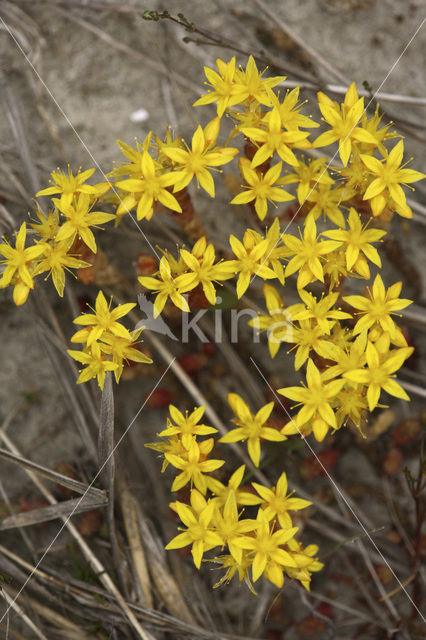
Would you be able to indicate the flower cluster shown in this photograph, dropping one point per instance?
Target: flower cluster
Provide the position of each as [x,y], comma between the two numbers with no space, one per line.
[176,164]
[59,236]
[212,517]
[348,346]
[107,342]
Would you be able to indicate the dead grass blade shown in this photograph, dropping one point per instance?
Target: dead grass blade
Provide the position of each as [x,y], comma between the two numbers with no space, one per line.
[91,558]
[134,538]
[54,476]
[106,462]
[161,575]
[51,512]
[15,606]
[106,435]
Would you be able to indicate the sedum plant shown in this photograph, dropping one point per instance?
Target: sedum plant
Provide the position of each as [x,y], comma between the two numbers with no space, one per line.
[349,345]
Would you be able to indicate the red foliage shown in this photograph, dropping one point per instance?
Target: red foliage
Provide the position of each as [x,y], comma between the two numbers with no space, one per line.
[312,467]
[406,431]
[193,362]
[159,398]
[89,523]
[393,462]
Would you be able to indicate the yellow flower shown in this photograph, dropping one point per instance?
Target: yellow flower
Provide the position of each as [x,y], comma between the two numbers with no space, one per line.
[147,190]
[250,85]
[221,492]
[308,251]
[289,111]
[307,175]
[269,557]
[327,200]
[321,311]
[225,91]
[278,323]
[122,350]
[356,239]
[203,270]
[186,426]
[69,186]
[171,445]
[199,158]
[315,398]
[377,309]
[305,562]
[228,562]
[351,404]
[230,528]
[274,140]
[276,503]
[97,364]
[79,219]
[192,468]
[252,259]
[167,286]
[105,320]
[16,265]
[275,250]
[251,427]
[350,356]
[378,374]
[55,260]
[307,336]
[48,226]
[344,121]
[261,188]
[199,531]
[389,177]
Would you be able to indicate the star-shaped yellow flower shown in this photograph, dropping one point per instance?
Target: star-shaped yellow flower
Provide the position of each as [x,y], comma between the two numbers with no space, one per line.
[389,177]
[357,239]
[199,531]
[276,503]
[261,188]
[195,161]
[345,123]
[69,186]
[105,320]
[315,398]
[79,219]
[146,191]
[251,427]
[308,251]
[273,139]
[16,265]
[278,323]
[167,286]
[376,310]
[269,556]
[186,426]
[224,91]
[97,364]
[192,467]
[379,373]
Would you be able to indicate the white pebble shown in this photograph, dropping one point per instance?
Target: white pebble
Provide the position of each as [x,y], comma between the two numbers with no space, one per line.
[140,115]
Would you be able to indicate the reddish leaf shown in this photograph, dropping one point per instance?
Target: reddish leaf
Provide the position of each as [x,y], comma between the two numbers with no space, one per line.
[393,462]
[310,626]
[159,398]
[406,431]
[89,523]
[314,466]
[193,362]
[146,264]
